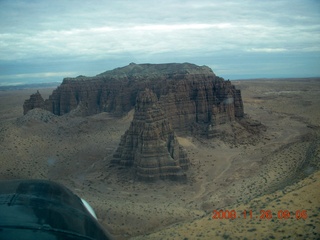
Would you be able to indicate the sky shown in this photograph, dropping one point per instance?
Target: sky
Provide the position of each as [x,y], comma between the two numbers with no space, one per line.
[45,40]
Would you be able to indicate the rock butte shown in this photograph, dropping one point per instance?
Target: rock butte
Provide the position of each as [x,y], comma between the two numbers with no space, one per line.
[35,101]
[184,98]
[150,144]
[193,96]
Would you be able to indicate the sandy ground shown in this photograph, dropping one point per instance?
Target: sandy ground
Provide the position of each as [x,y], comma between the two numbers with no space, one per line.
[279,171]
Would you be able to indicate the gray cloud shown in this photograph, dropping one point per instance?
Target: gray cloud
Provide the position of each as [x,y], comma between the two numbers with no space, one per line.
[95,30]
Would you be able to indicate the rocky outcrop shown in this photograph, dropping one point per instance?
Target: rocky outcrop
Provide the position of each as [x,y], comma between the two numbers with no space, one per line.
[35,101]
[193,96]
[36,116]
[150,145]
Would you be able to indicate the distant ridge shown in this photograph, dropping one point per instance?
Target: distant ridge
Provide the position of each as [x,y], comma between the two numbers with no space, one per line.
[29,86]
[278,79]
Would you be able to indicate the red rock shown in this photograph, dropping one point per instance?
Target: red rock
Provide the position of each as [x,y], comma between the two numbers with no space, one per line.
[190,94]
[150,144]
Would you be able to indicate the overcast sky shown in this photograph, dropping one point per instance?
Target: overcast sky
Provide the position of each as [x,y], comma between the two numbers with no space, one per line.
[44,40]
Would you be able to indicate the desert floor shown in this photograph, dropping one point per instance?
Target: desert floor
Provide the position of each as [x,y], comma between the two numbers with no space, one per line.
[277,171]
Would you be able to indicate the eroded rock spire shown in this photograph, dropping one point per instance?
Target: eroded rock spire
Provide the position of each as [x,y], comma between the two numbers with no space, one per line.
[150,144]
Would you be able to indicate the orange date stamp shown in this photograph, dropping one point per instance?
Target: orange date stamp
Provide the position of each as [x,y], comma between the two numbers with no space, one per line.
[264,214]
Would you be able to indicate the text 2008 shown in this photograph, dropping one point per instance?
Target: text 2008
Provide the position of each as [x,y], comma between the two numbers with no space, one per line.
[264,214]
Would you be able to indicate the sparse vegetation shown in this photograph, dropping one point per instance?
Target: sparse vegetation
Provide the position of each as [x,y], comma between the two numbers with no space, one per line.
[242,175]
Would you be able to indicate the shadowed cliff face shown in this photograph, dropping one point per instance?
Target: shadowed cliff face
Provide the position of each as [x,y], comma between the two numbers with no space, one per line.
[150,144]
[188,93]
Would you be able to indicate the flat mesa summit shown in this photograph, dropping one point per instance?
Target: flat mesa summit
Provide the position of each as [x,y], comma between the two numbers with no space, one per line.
[167,98]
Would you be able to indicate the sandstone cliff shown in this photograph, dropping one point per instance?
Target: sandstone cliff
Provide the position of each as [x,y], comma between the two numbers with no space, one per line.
[193,96]
[150,144]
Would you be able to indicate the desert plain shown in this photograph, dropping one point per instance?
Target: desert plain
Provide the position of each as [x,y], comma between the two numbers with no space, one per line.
[276,170]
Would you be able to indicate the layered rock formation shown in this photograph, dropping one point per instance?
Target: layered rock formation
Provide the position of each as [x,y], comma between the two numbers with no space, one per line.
[35,101]
[193,96]
[150,144]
